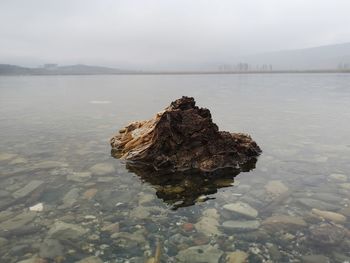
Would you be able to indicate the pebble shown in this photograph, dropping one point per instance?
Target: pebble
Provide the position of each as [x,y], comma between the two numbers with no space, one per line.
[3,241]
[285,222]
[207,226]
[37,208]
[7,156]
[145,198]
[34,259]
[345,186]
[212,213]
[327,234]
[89,217]
[246,225]
[90,193]
[102,169]
[79,177]
[199,254]
[335,217]
[237,257]
[242,209]
[128,240]
[70,198]
[63,231]
[105,179]
[18,221]
[345,211]
[187,227]
[313,203]
[341,178]
[19,160]
[275,188]
[139,212]
[111,228]
[27,189]
[91,259]
[315,259]
[49,165]
[51,249]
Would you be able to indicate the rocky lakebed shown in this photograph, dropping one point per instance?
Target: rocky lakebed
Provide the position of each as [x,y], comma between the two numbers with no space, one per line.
[64,198]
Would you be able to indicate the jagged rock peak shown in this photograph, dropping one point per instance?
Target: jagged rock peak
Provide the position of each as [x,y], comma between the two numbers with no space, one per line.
[183,137]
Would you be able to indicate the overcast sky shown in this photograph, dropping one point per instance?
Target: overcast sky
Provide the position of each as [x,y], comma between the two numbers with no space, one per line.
[163,33]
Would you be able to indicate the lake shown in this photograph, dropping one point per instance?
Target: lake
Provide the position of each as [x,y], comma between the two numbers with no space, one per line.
[64,198]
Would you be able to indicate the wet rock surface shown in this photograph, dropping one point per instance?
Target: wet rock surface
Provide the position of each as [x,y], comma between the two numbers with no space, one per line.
[182,137]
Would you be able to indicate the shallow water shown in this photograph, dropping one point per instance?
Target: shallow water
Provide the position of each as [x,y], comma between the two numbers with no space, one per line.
[55,158]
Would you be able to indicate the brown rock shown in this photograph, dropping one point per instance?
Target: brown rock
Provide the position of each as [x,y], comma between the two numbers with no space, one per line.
[90,193]
[183,137]
[187,227]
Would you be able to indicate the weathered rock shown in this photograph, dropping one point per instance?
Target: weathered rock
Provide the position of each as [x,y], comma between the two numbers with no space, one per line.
[64,231]
[182,137]
[199,254]
[247,225]
[242,209]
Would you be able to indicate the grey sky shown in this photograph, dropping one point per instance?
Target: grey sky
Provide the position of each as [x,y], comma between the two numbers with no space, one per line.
[163,33]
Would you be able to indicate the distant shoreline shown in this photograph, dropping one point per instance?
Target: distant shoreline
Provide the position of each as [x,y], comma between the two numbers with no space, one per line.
[181,73]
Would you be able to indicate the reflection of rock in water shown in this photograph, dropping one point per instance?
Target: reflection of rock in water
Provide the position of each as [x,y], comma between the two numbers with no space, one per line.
[181,189]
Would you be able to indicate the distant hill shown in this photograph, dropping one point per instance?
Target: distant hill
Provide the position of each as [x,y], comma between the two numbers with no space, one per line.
[329,57]
[6,69]
[52,69]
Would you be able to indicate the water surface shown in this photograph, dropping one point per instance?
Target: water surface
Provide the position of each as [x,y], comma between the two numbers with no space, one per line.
[55,158]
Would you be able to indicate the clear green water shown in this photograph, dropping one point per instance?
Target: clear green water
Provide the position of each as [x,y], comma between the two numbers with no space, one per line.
[54,151]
